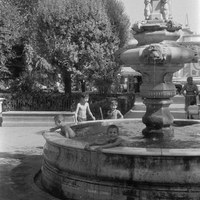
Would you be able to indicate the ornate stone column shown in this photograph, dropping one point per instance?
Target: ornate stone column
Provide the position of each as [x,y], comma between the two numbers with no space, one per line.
[157,89]
[157,56]
[157,62]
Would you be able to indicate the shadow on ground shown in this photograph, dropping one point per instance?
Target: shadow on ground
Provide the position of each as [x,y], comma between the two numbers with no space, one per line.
[17,172]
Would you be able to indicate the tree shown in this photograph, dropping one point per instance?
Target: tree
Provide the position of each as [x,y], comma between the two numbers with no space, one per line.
[20,60]
[120,22]
[77,36]
[10,31]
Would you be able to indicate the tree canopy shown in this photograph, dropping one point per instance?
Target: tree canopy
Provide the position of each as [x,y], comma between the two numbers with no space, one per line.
[69,36]
[11,24]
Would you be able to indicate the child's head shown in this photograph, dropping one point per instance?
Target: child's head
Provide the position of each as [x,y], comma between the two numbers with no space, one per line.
[59,119]
[112,131]
[113,104]
[190,80]
[84,97]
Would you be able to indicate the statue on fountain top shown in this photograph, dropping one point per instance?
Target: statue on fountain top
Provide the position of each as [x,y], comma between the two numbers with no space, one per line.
[157,10]
[147,9]
[157,18]
[165,9]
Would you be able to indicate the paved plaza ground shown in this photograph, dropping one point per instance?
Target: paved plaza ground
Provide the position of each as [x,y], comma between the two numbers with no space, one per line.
[21,158]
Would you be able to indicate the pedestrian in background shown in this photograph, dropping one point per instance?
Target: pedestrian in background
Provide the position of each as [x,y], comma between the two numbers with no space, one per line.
[190,91]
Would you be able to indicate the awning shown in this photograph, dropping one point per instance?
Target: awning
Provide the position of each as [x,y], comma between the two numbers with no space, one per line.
[128,71]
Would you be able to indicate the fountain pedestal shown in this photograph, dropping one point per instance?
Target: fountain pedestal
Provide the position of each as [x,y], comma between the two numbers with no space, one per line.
[158,119]
[157,63]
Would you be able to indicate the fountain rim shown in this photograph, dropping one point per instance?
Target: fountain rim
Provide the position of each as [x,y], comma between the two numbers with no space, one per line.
[59,141]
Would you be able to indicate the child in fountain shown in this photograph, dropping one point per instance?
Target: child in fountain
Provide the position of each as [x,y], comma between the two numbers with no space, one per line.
[112,140]
[82,109]
[65,130]
[113,113]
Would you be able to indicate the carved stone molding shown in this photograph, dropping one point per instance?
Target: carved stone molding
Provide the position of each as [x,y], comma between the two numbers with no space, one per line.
[158,94]
[173,26]
[167,77]
[154,55]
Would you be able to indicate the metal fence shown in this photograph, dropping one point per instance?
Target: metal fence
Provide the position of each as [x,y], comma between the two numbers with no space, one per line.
[62,102]
[41,102]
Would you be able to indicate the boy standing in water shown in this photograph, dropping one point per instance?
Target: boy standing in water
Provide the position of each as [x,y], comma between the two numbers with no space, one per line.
[113,113]
[82,109]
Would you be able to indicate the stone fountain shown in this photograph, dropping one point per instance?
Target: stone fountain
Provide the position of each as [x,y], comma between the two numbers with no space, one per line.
[163,161]
[157,57]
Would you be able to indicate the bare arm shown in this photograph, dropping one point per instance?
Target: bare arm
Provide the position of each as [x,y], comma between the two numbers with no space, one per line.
[96,142]
[68,131]
[76,112]
[120,115]
[89,112]
[51,129]
[182,90]
[196,90]
[54,128]
[118,142]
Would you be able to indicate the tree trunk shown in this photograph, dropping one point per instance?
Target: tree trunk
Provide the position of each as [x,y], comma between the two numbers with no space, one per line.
[82,85]
[67,82]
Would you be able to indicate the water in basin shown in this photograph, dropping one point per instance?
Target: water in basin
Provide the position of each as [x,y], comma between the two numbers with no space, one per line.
[186,134]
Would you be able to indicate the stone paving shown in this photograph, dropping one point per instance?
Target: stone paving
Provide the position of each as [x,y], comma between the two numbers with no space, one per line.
[20,160]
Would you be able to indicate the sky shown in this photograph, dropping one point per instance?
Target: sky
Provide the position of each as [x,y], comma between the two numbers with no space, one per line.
[180,8]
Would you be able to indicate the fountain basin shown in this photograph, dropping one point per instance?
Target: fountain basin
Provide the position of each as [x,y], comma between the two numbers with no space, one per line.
[146,169]
[156,36]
